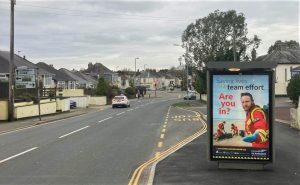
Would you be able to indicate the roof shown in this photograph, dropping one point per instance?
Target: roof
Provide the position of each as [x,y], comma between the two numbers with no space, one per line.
[241,65]
[71,75]
[18,62]
[84,76]
[288,56]
[59,76]
[152,74]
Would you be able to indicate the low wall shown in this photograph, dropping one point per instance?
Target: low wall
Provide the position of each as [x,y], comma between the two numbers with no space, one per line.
[204,97]
[280,88]
[32,110]
[82,102]
[101,100]
[3,110]
[63,104]
[295,116]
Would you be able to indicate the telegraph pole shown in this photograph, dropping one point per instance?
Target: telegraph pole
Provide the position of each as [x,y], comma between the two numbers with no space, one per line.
[11,65]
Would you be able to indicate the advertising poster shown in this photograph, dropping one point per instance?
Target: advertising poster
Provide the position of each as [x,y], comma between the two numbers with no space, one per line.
[240,117]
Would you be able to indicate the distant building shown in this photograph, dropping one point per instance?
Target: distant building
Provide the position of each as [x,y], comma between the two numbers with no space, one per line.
[287,60]
[60,78]
[44,75]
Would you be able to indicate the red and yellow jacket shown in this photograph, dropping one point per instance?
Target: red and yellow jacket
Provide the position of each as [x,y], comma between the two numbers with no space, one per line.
[256,121]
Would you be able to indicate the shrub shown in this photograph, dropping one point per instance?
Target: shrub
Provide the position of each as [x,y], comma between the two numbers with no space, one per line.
[293,89]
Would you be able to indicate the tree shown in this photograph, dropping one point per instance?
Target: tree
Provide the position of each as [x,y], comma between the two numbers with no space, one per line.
[287,44]
[102,87]
[293,89]
[210,38]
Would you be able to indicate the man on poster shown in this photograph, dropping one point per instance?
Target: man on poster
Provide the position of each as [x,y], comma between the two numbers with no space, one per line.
[256,125]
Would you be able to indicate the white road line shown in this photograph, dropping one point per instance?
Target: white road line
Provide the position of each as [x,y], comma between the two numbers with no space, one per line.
[104,119]
[14,156]
[130,110]
[74,132]
[33,126]
[120,113]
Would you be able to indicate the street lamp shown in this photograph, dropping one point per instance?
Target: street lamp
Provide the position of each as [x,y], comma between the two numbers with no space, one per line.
[135,69]
[187,67]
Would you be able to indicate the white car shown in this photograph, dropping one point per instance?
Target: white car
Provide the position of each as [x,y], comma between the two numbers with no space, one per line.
[120,101]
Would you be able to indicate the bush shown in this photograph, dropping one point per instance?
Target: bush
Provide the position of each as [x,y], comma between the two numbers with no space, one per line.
[102,87]
[130,92]
[293,89]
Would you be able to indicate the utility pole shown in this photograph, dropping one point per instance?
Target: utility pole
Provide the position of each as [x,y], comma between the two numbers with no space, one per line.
[11,65]
[135,69]
[38,92]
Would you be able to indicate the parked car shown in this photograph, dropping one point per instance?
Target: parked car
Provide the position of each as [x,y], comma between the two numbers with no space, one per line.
[72,104]
[190,96]
[120,101]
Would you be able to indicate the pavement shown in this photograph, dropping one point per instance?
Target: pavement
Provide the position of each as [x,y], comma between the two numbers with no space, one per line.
[190,165]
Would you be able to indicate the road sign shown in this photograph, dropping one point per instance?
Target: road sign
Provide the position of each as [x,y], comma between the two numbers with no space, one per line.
[25,78]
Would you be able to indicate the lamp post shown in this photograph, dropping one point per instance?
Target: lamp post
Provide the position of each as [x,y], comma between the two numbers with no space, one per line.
[187,67]
[135,69]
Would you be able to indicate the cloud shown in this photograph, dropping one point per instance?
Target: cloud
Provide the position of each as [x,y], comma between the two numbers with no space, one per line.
[71,34]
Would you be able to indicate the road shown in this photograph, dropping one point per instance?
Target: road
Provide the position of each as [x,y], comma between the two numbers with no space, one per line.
[97,148]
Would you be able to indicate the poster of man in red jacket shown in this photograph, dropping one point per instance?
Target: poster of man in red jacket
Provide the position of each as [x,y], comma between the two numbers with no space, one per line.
[256,125]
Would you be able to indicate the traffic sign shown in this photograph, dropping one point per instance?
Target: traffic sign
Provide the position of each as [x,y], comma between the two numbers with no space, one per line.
[25,78]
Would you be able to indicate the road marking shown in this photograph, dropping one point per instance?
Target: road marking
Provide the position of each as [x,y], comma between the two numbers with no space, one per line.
[159,145]
[130,110]
[166,122]
[162,136]
[165,126]
[157,154]
[137,173]
[32,126]
[74,132]
[104,119]
[163,130]
[120,113]
[14,156]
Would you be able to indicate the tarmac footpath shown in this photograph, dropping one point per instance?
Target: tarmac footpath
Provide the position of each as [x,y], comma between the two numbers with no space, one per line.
[190,165]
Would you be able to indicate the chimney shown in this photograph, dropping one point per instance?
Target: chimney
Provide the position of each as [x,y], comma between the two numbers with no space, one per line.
[51,65]
[24,57]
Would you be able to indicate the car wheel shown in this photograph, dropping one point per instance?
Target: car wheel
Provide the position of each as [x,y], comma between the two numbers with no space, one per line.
[113,107]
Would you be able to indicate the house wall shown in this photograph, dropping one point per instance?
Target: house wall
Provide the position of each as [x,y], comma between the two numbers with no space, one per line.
[282,77]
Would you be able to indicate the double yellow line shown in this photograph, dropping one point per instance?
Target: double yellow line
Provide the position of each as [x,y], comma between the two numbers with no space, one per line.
[137,173]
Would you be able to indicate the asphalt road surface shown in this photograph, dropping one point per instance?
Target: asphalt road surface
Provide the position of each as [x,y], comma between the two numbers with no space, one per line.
[97,148]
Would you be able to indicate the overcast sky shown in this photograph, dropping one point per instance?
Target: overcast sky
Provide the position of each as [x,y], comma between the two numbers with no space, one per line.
[73,33]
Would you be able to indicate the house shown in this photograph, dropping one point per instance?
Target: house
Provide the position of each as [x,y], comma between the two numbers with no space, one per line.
[286,60]
[98,70]
[80,82]
[151,79]
[91,82]
[61,79]
[44,75]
